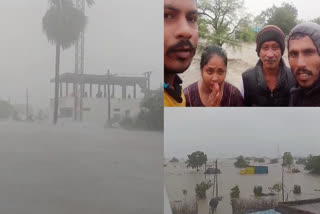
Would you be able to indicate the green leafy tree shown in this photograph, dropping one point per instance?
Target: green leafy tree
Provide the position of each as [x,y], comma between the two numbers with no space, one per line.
[247,34]
[196,160]
[235,192]
[174,160]
[313,164]
[316,20]
[301,161]
[202,188]
[285,17]
[151,114]
[241,162]
[287,159]
[219,20]
[62,24]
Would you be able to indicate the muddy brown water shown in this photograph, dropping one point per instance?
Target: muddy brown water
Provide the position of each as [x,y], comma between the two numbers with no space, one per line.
[178,177]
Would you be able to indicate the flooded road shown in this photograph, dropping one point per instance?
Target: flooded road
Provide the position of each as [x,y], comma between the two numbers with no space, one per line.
[178,177]
[80,169]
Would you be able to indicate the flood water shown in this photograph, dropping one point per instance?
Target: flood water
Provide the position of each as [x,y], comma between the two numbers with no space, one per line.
[179,177]
[80,169]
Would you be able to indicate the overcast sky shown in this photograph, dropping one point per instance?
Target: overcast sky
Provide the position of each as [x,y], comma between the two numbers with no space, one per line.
[229,132]
[307,9]
[124,36]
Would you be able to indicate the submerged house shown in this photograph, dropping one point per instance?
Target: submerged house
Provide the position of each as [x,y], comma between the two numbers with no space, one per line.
[253,170]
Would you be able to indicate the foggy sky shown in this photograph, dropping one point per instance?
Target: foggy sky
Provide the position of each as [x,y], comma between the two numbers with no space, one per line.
[229,132]
[124,36]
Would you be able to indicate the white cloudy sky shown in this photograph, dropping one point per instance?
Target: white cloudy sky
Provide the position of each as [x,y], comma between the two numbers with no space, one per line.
[125,36]
[307,9]
[228,132]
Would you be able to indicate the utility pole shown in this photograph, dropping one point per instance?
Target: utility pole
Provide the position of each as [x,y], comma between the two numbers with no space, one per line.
[79,67]
[216,178]
[282,185]
[109,104]
[147,76]
[27,104]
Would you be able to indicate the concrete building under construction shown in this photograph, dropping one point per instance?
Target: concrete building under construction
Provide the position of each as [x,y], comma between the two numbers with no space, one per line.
[99,98]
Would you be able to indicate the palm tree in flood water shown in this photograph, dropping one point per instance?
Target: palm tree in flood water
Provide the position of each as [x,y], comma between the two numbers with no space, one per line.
[62,24]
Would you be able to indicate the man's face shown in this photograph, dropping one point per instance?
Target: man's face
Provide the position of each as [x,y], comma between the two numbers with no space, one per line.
[304,61]
[180,34]
[270,55]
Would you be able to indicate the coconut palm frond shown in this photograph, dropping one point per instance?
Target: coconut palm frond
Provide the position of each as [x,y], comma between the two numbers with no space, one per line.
[90,2]
[63,26]
[63,3]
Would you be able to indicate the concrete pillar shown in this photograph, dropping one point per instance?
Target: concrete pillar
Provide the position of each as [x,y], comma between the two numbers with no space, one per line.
[67,89]
[124,92]
[112,95]
[90,90]
[134,91]
[60,84]
[105,90]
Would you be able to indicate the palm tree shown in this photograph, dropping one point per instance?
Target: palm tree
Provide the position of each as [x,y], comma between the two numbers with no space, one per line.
[62,24]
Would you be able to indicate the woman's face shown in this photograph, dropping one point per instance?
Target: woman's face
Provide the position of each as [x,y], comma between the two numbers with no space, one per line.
[214,72]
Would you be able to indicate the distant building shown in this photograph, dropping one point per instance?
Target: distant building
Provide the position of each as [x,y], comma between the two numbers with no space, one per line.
[95,96]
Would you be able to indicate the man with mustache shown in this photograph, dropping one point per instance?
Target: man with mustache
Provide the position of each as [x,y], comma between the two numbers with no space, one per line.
[270,81]
[180,42]
[304,60]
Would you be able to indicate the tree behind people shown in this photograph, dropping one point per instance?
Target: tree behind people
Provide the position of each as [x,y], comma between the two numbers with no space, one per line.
[220,19]
[285,17]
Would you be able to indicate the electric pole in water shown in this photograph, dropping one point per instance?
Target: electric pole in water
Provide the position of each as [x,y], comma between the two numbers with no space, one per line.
[282,185]
[27,104]
[109,104]
[79,68]
[147,76]
[216,178]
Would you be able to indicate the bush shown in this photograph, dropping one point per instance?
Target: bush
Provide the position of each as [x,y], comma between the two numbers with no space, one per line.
[297,189]
[273,161]
[313,164]
[235,192]
[257,190]
[247,35]
[174,160]
[241,162]
[275,188]
[202,188]
[301,161]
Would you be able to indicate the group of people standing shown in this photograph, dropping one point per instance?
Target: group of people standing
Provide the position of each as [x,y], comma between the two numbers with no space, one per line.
[269,83]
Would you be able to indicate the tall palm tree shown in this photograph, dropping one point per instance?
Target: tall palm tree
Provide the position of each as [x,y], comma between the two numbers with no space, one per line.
[62,24]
